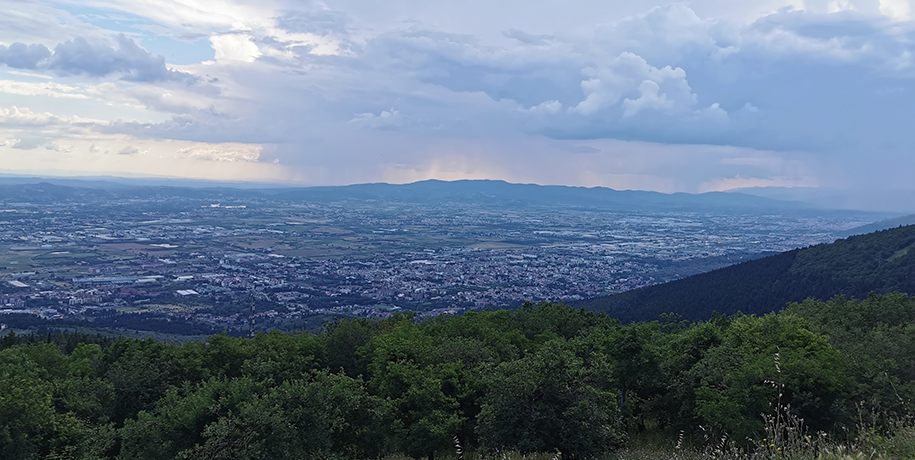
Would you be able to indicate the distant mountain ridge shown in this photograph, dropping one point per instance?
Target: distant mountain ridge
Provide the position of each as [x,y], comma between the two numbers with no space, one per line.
[429,191]
[878,262]
[501,192]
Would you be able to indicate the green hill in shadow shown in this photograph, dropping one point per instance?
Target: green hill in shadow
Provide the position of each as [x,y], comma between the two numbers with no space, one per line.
[877,262]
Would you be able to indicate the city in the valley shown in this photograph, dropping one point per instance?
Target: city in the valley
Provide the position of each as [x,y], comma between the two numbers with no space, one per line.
[193,262]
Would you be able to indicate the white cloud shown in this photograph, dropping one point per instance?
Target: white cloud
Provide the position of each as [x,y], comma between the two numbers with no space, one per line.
[548,107]
[650,97]
[191,15]
[24,117]
[896,9]
[14,116]
[97,149]
[29,74]
[58,147]
[37,22]
[42,89]
[629,73]
[312,81]
[175,100]
[234,47]
[232,152]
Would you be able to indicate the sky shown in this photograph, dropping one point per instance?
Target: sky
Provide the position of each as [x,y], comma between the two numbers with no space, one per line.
[674,97]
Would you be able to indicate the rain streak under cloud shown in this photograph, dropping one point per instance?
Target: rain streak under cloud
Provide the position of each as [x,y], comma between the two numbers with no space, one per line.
[698,96]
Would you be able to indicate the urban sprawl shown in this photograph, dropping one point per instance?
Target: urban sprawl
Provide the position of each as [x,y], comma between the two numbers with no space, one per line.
[193,261]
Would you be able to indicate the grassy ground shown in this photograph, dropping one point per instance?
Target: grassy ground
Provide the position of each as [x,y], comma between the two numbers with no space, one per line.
[899,445]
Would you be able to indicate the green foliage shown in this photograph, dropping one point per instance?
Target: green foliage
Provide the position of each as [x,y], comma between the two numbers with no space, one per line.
[761,361]
[879,262]
[426,393]
[552,399]
[878,340]
[42,393]
[342,340]
[239,418]
[543,378]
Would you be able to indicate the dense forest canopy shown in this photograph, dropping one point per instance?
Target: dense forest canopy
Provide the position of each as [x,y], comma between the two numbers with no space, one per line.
[542,378]
[879,262]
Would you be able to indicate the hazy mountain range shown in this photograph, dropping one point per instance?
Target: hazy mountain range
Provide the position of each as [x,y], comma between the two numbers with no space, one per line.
[44,190]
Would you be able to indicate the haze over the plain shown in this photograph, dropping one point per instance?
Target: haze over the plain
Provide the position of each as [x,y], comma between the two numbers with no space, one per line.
[699,96]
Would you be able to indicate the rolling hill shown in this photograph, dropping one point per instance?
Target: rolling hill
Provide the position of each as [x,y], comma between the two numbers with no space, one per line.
[483,192]
[877,262]
[501,193]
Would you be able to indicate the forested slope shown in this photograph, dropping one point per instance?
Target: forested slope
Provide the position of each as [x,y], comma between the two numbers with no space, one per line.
[882,225]
[878,262]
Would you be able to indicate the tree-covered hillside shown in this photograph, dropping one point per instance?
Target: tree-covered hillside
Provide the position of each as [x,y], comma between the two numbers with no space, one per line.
[881,225]
[543,378]
[878,262]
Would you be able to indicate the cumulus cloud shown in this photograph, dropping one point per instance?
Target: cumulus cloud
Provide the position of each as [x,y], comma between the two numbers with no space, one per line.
[667,76]
[15,116]
[129,150]
[628,73]
[97,149]
[650,97]
[80,56]
[829,79]
[234,47]
[22,56]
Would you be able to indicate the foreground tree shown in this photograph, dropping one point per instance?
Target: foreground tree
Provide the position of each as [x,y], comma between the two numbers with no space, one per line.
[552,400]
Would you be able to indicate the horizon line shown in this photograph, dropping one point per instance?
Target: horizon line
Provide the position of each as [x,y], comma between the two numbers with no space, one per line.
[204,183]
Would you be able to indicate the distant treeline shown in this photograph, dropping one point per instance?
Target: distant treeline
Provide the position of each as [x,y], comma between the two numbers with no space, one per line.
[879,262]
[541,378]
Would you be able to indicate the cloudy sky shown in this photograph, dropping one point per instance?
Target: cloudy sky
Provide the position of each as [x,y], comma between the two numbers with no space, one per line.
[697,96]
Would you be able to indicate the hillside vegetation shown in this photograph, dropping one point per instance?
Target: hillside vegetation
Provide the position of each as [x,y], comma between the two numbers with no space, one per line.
[881,225]
[878,262]
[543,378]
